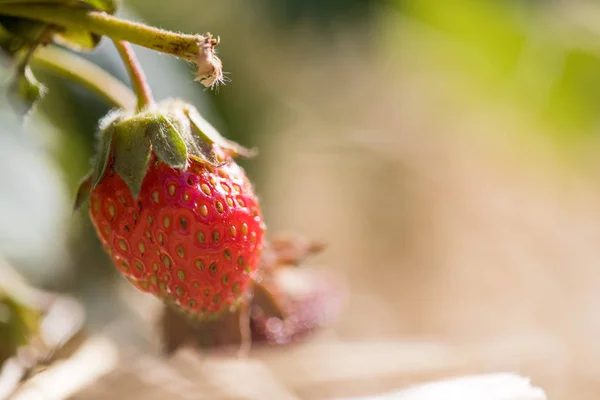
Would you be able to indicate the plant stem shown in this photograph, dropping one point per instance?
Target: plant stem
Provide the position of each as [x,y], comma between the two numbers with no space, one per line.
[189,47]
[136,74]
[85,73]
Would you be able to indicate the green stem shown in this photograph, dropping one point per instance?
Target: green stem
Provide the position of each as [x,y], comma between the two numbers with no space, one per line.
[85,73]
[189,47]
[136,74]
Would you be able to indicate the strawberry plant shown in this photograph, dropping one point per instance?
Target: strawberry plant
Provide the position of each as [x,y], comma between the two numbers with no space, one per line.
[174,211]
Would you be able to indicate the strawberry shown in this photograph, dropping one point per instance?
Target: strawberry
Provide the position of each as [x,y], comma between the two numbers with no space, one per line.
[176,214]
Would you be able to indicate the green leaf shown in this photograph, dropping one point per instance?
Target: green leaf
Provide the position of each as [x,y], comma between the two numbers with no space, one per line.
[167,142]
[25,91]
[83,191]
[131,154]
[102,155]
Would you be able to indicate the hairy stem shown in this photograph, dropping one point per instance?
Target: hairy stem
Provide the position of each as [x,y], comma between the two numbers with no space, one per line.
[136,74]
[86,74]
[185,46]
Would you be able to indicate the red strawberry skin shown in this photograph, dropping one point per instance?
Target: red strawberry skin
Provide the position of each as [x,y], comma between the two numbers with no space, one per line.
[193,237]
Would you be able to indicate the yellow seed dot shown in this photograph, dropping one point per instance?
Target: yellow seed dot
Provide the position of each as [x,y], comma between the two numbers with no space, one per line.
[179,291]
[216,236]
[212,180]
[148,234]
[219,207]
[192,303]
[229,202]
[181,275]
[154,279]
[200,237]
[161,238]
[199,264]
[253,237]
[167,222]
[244,228]
[206,292]
[144,284]
[225,279]
[232,231]
[162,286]
[240,261]
[237,189]
[225,188]
[196,285]
[213,268]
[124,265]
[122,199]
[141,247]
[186,197]
[150,219]
[139,266]
[222,173]
[123,245]
[96,205]
[180,251]
[171,189]
[155,196]
[112,210]
[155,266]
[203,210]
[167,261]
[247,269]
[227,254]
[217,299]
[236,288]
[107,230]
[241,202]
[205,189]
[134,216]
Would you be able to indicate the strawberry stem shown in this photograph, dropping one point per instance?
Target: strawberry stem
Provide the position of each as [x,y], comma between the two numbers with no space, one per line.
[196,48]
[95,79]
[136,74]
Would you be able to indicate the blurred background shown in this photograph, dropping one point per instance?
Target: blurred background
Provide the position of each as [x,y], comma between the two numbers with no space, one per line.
[447,151]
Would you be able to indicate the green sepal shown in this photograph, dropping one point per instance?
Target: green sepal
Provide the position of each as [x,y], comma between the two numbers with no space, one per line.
[102,155]
[25,91]
[167,142]
[204,131]
[131,153]
[83,191]
[198,149]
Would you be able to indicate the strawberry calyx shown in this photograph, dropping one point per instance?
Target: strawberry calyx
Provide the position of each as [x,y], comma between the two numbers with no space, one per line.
[173,130]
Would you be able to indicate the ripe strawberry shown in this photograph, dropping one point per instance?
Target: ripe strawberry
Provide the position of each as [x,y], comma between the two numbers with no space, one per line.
[174,211]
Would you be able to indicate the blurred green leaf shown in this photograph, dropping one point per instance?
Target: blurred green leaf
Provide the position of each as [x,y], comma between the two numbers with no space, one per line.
[109,6]
[17,324]
[25,91]
[77,39]
[26,29]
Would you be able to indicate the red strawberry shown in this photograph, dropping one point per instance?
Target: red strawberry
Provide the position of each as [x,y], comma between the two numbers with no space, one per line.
[175,212]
